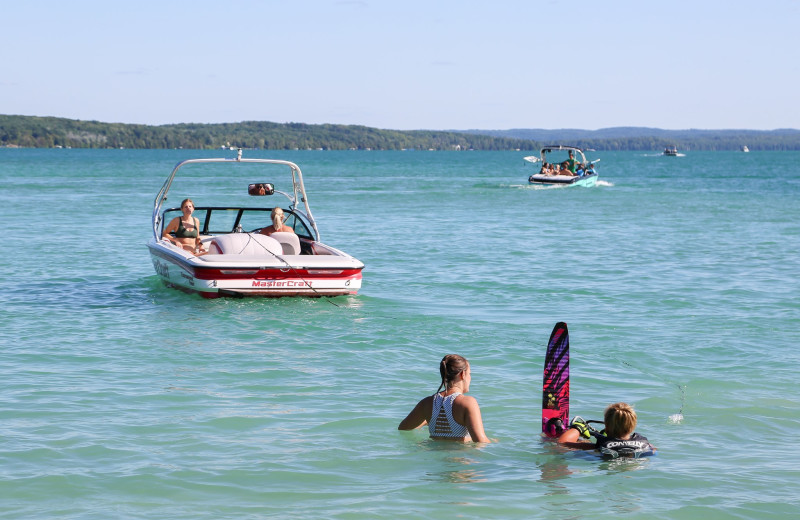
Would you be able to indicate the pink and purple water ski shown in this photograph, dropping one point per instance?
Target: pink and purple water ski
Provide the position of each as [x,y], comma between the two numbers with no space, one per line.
[555,384]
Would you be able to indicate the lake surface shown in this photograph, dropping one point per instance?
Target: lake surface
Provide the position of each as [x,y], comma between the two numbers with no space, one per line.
[678,278]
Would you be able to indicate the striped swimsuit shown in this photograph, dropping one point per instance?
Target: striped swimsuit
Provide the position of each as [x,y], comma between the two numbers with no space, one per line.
[442,424]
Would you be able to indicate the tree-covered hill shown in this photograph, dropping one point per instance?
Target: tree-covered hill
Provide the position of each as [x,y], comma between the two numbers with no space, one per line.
[640,138]
[48,132]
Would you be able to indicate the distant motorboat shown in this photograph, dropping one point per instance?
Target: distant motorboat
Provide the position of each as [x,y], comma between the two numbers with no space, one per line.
[585,176]
[671,151]
[745,148]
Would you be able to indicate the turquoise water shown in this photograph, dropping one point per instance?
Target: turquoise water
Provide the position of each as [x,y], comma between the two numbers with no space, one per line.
[122,398]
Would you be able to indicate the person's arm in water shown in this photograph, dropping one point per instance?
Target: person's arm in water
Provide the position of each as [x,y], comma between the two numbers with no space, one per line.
[418,417]
[571,439]
[473,420]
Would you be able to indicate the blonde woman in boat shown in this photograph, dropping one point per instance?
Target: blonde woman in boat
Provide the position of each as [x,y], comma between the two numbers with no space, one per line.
[277,217]
[449,414]
[186,229]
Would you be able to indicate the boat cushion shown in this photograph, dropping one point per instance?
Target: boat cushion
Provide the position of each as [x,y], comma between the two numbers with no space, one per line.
[289,242]
[245,244]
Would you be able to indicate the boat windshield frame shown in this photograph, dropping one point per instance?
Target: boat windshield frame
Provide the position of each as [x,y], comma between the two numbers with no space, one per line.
[298,189]
[215,220]
[560,147]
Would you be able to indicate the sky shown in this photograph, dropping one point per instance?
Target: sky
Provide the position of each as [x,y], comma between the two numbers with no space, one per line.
[406,64]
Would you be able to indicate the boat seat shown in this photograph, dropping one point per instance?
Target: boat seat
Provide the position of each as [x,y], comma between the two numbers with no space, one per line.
[289,242]
[245,244]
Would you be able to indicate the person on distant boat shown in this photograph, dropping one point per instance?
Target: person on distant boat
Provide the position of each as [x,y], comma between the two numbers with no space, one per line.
[186,230]
[617,439]
[589,169]
[571,162]
[565,170]
[449,414]
[547,169]
[580,169]
[277,218]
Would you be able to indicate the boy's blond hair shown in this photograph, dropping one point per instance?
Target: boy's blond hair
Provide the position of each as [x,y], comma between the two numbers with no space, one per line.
[620,420]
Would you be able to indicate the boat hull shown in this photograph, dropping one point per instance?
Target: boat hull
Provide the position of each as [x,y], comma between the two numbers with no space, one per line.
[563,180]
[217,275]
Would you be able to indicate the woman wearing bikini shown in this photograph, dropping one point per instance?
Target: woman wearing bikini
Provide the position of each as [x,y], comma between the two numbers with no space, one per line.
[186,229]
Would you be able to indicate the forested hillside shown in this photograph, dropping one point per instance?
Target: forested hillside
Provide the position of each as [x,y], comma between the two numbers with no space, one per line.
[639,138]
[49,132]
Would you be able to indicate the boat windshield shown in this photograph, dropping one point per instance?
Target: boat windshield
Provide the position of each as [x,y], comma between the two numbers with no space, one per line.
[218,221]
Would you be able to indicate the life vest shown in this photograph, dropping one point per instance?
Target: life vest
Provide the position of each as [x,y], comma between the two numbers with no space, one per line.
[635,447]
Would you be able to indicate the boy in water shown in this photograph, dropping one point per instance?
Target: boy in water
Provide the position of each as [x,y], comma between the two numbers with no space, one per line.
[617,439]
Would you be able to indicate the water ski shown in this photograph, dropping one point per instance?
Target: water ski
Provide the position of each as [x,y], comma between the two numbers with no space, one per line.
[555,383]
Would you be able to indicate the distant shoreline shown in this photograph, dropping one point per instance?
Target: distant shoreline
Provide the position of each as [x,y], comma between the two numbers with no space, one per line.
[53,132]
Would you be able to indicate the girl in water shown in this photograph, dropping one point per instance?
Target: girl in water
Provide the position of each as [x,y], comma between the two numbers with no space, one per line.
[617,439]
[449,414]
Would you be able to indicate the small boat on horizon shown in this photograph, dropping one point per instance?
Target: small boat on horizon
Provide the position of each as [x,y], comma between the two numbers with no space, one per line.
[745,148]
[548,175]
[671,151]
[240,260]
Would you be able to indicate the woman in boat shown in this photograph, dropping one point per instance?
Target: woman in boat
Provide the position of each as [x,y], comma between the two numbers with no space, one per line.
[186,229]
[277,218]
[449,414]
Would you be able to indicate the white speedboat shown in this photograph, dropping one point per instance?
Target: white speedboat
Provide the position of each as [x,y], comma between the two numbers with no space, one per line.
[585,172]
[240,260]
[671,151]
